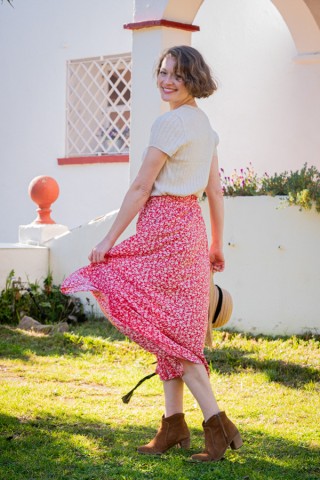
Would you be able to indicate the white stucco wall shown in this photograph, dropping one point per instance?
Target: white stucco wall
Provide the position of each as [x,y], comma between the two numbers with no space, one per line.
[36,39]
[267,108]
[29,263]
[266,111]
[272,266]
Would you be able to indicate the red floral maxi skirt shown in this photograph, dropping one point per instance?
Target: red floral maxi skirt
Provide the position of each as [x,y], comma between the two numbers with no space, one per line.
[154,286]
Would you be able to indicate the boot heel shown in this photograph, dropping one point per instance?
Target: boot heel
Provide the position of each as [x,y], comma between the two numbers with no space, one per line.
[236,442]
[185,443]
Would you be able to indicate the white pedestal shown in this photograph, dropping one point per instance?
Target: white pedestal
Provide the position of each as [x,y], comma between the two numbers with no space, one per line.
[37,234]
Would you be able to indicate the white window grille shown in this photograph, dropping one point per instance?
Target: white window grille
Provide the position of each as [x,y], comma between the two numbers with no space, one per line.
[98,106]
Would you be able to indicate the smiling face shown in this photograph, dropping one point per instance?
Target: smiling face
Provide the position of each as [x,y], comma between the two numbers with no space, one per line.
[171,85]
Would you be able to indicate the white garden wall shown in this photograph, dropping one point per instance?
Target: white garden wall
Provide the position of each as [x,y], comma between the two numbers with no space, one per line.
[29,263]
[272,265]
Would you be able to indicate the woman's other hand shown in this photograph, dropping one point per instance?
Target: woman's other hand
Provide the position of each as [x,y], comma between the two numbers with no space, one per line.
[216,259]
[99,252]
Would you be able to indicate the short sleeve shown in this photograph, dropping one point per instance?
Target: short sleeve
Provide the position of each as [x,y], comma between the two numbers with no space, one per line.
[167,133]
[216,143]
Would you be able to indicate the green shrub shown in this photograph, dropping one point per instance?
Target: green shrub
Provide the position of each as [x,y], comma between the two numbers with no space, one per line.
[301,187]
[43,303]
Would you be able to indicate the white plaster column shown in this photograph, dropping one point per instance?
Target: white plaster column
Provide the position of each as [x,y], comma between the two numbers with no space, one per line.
[158,24]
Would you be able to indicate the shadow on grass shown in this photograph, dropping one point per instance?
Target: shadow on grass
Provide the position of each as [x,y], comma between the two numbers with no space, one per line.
[70,448]
[231,360]
[99,335]
[94,336]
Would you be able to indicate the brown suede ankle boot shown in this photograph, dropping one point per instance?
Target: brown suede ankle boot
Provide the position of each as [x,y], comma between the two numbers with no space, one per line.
[219,434]
[173,431]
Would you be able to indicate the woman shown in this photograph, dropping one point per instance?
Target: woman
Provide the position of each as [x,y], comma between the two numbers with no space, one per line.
[154,286]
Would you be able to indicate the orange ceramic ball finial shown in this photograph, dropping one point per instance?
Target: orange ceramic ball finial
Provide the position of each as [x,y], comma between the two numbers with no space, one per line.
[43,190]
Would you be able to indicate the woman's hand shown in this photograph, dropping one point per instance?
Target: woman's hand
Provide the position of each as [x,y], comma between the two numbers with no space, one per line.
[99,252]
[216,259]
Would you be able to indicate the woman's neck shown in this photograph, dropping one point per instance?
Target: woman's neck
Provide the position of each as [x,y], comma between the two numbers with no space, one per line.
[191,102]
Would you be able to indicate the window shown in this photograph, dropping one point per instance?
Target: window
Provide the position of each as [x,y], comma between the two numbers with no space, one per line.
[98,106]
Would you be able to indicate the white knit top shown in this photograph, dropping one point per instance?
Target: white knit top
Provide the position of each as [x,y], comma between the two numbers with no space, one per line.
[186,136]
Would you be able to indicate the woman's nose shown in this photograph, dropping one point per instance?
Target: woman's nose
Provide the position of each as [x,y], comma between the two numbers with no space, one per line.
[168,79]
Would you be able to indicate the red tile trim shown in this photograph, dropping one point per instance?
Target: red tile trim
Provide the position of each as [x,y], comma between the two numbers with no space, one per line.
[93,159]
[161,23]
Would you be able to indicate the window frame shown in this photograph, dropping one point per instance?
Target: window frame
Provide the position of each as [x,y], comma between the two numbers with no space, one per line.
[98,110]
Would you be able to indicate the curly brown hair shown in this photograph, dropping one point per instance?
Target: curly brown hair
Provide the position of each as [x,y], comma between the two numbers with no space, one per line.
[193,69]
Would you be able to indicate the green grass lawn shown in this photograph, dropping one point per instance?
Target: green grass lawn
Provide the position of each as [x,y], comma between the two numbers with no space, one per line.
[62,418]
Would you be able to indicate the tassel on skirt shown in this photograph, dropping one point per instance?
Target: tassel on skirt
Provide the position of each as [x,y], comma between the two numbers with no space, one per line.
[154,286]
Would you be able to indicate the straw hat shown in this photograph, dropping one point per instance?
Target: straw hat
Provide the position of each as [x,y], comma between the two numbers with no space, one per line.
[220,309]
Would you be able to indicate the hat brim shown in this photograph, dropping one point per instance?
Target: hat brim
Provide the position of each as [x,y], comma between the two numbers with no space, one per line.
[220,310]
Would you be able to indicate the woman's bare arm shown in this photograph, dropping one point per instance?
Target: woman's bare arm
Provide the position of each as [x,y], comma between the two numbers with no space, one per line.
[216,206]
[134,200]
